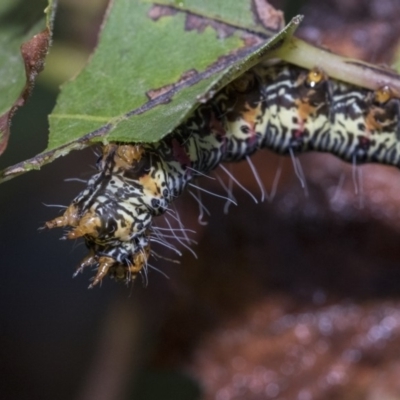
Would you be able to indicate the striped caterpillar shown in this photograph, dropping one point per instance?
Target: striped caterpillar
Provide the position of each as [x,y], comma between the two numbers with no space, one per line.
[280,107]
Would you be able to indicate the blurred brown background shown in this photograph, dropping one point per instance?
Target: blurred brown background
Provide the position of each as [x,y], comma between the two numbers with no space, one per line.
[296,298]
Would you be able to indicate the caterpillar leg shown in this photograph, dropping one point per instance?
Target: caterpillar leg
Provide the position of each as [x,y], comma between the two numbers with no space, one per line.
[69,218]
[130,271]
[119,271]
[104,265]
[86,262]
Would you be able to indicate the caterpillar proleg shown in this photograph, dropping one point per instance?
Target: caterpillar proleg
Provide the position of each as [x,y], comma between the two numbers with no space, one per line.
[277,106]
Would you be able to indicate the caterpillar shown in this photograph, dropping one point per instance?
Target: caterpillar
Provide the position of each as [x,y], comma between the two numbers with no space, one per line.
[277,106]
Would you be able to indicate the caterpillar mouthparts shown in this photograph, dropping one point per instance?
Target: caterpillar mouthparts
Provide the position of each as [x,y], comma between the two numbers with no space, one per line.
[281,107]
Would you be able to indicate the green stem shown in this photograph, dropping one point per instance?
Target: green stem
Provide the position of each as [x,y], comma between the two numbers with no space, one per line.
[359,73]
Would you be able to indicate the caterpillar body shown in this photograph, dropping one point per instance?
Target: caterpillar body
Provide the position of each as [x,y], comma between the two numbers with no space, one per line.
[280,107]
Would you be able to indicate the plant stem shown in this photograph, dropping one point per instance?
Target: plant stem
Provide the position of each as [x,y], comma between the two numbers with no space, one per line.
[356,72]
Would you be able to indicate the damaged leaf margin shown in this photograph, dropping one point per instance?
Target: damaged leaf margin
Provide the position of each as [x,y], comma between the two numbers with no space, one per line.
[28,58]
[166,101]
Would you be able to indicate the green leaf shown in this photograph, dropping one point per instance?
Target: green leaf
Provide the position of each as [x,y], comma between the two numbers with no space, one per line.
[145,48]
[153,65]
[25,32]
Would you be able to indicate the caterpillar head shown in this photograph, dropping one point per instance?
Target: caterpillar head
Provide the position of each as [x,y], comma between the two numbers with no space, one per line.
[113,214]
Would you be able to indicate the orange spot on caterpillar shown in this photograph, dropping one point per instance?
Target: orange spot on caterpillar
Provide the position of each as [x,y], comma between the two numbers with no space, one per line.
[88,225]
[129,153]
[383,95]
[304,109]
[151,186]
[315,76]
[250,116]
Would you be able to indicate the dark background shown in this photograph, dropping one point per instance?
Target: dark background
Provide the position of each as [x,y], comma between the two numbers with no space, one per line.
[297,255]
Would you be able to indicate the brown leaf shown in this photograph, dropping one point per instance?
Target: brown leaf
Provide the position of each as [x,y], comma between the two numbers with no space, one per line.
[33,53]
[268,16]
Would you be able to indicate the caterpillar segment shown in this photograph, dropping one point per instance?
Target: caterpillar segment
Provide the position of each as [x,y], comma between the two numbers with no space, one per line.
[280,107]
